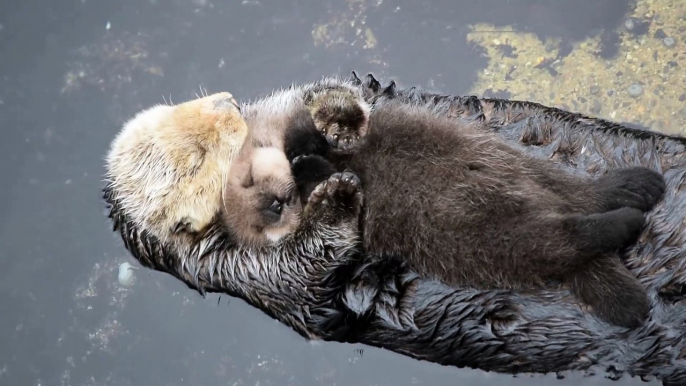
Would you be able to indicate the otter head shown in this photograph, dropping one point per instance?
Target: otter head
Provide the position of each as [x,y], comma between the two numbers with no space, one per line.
[341,114]
[261,202]
[168,165]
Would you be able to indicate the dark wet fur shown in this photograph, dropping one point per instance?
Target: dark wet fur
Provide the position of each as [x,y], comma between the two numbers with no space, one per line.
[381,302]
[466,208]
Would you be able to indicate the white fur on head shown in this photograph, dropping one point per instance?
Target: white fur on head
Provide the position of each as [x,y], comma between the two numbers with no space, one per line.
[168,165]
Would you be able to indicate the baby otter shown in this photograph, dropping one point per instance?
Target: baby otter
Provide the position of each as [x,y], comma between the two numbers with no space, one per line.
[260,202]
[464,207]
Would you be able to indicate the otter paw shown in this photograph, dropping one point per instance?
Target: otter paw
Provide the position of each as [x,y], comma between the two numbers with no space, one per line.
[634,187]
[341,115]
[308,172]
[302,140]
[336,197]
[342,140]
[605,232]
[311,167]
[624,302]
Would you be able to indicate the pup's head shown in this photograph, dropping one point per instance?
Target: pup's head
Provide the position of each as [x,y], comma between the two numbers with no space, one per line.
[261,202]
[168,166]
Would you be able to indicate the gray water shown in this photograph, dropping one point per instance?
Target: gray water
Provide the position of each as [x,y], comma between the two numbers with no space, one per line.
[72,71]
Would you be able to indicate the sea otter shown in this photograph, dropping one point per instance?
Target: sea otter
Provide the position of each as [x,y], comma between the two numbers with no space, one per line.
[457,203]
[380,302]
[260,201]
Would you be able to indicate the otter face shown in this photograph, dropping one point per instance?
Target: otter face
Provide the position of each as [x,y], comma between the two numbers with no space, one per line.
[169,163]
[261,201]
[341,115]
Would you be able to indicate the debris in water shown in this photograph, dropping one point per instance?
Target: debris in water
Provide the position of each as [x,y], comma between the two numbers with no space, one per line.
[126,276]
[108,25]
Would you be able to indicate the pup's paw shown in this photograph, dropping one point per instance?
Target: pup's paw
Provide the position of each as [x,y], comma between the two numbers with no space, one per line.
[629,307]
[341,116]
[612,291]
[338,197]
[308,172]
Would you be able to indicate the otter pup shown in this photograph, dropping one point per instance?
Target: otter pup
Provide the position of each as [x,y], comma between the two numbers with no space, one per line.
[464,207]
[260,202]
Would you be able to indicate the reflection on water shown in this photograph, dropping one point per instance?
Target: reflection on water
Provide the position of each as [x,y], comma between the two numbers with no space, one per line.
[72,71]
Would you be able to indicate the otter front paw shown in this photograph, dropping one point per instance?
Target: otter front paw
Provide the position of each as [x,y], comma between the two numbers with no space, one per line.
[634,187]
[308,172]
[339,197]
[342,139]
[341,116]
[629,307]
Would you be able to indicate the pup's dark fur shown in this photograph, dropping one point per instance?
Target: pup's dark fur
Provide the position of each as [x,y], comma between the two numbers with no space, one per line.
[463,206]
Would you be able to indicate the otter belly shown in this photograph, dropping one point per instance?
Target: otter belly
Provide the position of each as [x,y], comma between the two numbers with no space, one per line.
[450,213]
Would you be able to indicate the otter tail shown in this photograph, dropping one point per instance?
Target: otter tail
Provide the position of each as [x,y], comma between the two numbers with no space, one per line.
[615,295]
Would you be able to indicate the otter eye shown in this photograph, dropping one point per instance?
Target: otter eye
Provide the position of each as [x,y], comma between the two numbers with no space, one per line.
[276,206]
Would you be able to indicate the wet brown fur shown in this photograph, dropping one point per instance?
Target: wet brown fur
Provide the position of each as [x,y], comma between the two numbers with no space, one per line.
[466,208]
[385,305]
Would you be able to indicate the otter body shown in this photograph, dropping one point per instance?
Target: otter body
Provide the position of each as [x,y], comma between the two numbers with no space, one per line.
[379,302]
[462,206]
